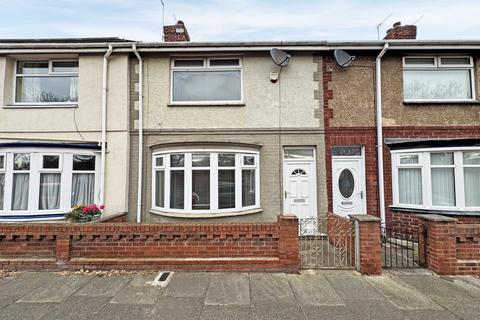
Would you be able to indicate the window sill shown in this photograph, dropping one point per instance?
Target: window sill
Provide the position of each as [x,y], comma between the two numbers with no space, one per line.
[414,102]
[436,211]
[40,106]
[206,104]
[192,215]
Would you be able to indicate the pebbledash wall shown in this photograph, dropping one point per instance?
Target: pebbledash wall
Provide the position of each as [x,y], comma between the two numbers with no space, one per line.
[349,118]
[206,247]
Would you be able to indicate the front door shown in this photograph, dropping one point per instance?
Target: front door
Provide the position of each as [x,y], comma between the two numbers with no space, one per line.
[299,180]
[348,184]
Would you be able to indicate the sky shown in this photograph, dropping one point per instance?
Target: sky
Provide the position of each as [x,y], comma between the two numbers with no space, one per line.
[238,20]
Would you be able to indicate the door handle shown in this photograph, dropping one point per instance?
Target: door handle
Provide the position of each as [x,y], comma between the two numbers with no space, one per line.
[361,194]
[286,194]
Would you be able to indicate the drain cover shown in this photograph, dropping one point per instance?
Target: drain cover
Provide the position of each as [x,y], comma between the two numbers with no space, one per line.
[162,278]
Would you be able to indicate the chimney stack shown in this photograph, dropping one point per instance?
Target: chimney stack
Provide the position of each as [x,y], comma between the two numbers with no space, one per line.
[176,33]
[398,32]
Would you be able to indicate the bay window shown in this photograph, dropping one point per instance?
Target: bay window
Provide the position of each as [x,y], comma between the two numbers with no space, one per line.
[438,78]
[206,80]
[46,82]
[45,184]
[205,181]
[437,179]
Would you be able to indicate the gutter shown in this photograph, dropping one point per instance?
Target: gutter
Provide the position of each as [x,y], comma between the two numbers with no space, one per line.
[378,106]
[140,133]
[104,122]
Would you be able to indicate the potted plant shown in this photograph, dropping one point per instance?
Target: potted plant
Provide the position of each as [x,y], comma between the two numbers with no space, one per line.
[85,213]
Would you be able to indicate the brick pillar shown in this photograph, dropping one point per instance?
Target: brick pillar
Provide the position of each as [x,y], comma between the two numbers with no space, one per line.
[62,250]
[368,244]
[288,244]
[439,241]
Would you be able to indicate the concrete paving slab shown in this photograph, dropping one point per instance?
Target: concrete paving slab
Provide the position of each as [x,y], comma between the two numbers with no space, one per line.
[188,285]
[274,311]
[25,311]
[328,313]
[138,295]
[271,287]
[469,283]
[402,295]
[468,309]
[430,315]
[228,289]
[170,308]
[124,312]
[57,289]
[226,313]
[103,286]
[314,290]
[6,300]
[435,287]
[374,309]
[77,308]
[25,282]
[353,287]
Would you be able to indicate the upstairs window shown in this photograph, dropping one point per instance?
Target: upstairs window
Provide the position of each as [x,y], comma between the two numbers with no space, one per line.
[206,80]
[438,78]
[46,82]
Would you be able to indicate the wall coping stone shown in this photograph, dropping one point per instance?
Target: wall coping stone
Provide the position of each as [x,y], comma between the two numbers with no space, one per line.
[436,218]
[364,218]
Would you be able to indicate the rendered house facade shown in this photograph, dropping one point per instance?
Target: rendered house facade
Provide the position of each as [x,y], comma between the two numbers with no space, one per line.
[51,128]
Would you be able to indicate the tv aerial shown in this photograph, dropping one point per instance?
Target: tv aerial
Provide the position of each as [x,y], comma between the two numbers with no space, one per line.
[343,58]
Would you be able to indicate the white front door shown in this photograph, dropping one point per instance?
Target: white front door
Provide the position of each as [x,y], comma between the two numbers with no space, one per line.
[300,192]
[348,185]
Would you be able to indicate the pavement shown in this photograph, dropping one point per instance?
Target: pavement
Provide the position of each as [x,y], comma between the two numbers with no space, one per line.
[400,294]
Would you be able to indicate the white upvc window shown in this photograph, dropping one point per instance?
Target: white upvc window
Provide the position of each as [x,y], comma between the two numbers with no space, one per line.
[37,181]
[437,178]
[214,80]
[438,78]
[46,82]
[200,181]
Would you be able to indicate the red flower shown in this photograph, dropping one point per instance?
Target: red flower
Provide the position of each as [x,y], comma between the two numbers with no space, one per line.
[102,207]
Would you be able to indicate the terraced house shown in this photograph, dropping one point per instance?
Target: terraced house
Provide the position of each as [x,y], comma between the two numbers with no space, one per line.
[181,131]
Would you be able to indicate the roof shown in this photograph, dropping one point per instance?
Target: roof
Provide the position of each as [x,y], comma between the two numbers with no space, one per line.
[68,45]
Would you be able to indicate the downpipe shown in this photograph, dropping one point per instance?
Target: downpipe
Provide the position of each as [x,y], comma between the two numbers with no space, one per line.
[378,105]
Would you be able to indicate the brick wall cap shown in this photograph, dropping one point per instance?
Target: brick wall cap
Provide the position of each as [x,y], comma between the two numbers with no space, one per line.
[364,218]
[436,217]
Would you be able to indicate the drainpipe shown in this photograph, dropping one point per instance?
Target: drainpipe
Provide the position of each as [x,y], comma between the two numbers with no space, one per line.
[378,103]
[140,133]
[104,122]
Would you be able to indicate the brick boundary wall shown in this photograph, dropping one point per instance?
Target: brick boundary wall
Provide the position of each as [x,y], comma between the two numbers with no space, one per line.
[367,228]
[450,246]
[205,247]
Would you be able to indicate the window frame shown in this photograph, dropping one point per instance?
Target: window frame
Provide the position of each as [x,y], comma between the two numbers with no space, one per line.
[426,169]
[214,169]
[206,68]
[437,67]
[36,169]
[50,73]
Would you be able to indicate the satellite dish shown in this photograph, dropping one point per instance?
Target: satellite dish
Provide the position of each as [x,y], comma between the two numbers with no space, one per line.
[279,57]
[343,58]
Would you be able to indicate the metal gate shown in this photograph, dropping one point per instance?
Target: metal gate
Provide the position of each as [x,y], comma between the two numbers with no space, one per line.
[400,245]
[327,243]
